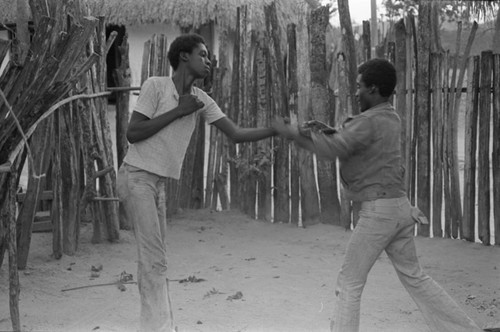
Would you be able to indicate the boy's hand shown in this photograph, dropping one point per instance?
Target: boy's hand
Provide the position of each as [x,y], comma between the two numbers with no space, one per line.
[189,104]
[317,126]
[283,128]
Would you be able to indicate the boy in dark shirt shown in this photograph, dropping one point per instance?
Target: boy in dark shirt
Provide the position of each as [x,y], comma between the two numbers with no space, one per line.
[368,149]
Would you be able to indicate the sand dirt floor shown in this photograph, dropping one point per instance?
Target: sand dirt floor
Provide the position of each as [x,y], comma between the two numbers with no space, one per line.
[257,276]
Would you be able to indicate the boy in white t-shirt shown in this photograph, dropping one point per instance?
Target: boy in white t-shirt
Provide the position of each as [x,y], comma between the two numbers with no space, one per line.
[159,132]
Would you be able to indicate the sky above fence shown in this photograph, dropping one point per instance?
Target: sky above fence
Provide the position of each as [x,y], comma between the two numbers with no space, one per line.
[360,10]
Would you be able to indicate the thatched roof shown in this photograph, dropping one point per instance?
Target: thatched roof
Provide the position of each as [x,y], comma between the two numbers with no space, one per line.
[184,13]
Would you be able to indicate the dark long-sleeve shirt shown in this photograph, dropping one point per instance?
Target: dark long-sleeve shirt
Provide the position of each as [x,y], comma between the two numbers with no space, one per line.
[369,151]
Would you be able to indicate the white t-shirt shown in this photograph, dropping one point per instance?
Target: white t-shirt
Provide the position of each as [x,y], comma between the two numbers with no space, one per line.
[163,153]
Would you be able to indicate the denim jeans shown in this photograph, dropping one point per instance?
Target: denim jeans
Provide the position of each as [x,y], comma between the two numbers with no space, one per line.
[387,224]
[143,197]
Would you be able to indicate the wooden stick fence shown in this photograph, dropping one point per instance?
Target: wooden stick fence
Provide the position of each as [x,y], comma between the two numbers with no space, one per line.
[451,213]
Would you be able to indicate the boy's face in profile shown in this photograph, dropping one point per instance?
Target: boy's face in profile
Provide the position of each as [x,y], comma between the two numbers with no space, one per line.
[198,61]
[362,94]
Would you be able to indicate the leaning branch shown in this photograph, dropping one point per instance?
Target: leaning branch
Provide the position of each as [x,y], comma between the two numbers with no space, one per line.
[51,110]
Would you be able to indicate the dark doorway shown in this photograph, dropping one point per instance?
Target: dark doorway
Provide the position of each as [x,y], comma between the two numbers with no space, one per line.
[113,58]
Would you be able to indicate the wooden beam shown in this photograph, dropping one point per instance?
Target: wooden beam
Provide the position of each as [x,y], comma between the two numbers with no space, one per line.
[5,168]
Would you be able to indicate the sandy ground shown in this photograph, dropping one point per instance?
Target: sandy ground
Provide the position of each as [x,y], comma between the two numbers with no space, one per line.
[286,277]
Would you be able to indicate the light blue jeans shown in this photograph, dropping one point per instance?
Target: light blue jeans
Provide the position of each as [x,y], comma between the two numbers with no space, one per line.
[387,224]
[143,197]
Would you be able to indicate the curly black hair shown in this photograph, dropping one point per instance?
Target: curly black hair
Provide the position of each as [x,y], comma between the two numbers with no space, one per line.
[380,73]
[183,43]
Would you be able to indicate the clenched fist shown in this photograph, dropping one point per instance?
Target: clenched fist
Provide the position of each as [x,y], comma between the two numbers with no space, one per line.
[189,104]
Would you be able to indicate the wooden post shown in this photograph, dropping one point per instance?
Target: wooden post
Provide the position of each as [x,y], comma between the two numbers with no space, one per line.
[437,143]
[471,116]
[247,181]
[41,157]
[279,96]
[455,176]
[484,147]
[367,45]
[70,180]
[350,50]
[401,106]
[309,191]
[10,218]
[8,240]
[496,147]
[345,203]
[321,108]
[451,144]
[221,163]
[446,129]
[57,206]
[262,114]
[423,114]
[107,183]
[234,112]
[212,150]
[411,123]
[122,76]
[293,99]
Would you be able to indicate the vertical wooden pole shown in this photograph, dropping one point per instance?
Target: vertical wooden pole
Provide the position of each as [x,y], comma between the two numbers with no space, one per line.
[293,90]
[410,119]
[10,220]
[496,147]
[451,143]
[455,171]
[423,114]
[123,77]
[39,143]
[308,188]
[345,203]
[279,96]
[446,129]
[234,112]
[401,106]
[437,143]
[350,50]
[321,109]
[471,116]
[263,116]
[56,212]
[70,180]
[367,44]
[484,180]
